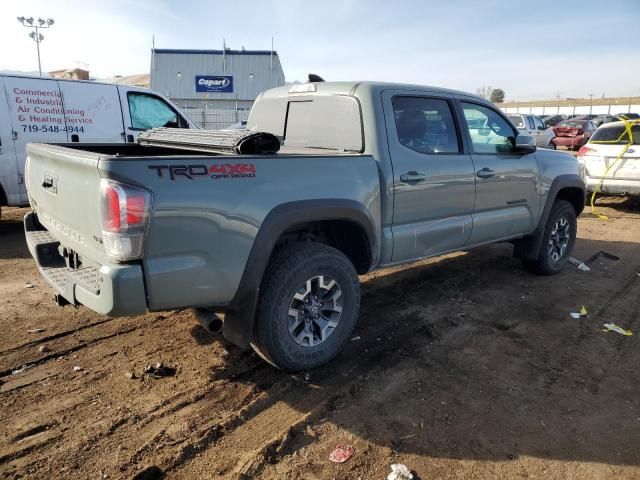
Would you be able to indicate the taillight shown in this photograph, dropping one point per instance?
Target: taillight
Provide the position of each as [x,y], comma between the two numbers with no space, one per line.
[580,132]
[584,150]
[124,212]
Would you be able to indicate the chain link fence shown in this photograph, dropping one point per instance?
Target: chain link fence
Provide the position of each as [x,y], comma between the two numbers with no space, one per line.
[215,119]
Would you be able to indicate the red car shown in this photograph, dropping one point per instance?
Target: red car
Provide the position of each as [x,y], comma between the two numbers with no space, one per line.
[573,133]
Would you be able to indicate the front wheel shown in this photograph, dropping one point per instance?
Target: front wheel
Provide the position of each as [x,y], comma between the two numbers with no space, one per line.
[557,241]
[309,303]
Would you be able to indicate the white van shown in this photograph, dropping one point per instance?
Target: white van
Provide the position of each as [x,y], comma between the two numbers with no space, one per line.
[37,109]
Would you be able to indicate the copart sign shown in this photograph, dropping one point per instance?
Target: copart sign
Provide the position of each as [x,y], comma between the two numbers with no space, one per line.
[214,83]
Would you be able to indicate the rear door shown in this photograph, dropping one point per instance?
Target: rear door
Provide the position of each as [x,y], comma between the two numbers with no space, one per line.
[143,110]
[36,112]
[433,178]
[542,133]
[507,203]
[8,164]
[92,112]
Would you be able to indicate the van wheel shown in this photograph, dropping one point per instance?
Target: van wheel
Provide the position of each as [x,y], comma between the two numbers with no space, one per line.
[309,304]
[558,240]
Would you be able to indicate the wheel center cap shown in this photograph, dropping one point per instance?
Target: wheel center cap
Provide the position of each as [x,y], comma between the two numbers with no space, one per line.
[314,310]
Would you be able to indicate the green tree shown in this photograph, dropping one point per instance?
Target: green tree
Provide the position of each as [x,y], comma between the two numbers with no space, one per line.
[497,95]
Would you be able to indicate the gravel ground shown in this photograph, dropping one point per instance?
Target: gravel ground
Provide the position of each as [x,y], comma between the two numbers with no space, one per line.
[462,366]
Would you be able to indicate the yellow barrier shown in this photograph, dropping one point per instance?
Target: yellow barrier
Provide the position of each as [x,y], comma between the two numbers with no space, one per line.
[628,124]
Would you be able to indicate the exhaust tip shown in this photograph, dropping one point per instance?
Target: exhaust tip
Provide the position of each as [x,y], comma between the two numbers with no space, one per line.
[208,320]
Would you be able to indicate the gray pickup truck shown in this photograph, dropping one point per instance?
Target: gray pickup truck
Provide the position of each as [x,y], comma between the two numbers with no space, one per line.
[368,175]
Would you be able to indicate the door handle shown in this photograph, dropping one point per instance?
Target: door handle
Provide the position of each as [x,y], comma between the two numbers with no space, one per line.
[411,177]
[486,173]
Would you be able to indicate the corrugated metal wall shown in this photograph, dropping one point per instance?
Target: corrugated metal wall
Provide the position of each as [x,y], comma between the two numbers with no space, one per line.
[166,64]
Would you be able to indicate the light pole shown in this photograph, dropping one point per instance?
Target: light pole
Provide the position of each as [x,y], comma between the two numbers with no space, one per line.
[35,33]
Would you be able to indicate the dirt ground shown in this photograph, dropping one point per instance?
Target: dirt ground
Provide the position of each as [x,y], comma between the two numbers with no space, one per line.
[461,367]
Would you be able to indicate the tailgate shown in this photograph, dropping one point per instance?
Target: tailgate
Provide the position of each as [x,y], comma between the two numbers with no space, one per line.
[64,186]
[627,168]
[565,131]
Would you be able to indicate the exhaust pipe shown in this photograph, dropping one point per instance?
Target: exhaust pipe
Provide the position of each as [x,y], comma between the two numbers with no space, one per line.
[208,320]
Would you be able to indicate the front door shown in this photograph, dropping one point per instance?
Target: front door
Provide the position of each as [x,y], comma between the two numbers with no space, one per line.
[36,111]
[507,203]
[433,179]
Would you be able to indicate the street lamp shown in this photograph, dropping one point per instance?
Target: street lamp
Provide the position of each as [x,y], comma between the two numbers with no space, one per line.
[35,34]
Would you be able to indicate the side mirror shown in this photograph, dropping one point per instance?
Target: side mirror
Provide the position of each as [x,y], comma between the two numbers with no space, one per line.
[525,144]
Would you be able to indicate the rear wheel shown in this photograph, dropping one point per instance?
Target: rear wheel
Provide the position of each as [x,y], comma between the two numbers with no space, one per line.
[558,240]
[551,145]
[308,306]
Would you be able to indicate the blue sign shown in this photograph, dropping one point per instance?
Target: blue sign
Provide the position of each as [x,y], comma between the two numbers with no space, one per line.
[214,83]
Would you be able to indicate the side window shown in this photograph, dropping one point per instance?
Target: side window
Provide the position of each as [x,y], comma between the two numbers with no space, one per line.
[538,123]
[148,111]
[530,120]
[494,136]
[425,125]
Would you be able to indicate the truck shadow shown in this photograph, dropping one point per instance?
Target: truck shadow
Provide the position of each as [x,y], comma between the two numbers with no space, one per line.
[12,242]
[472,357]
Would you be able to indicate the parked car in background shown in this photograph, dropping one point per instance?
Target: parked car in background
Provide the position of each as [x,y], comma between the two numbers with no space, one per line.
[621,178]
[534,126]
[552,120]
[50,110]
[628,116]
[573,133]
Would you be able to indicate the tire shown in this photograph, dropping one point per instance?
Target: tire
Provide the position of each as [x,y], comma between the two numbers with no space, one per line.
[558,240]
[551,145]
[292,330]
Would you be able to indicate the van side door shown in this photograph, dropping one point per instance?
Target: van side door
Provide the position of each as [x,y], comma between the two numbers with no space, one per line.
[92,112]
[143,110]
[507,203]
[36,111]
[8,164]
[433,177]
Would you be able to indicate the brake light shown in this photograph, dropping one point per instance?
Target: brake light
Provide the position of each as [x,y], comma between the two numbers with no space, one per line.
[124,212]
[584,150]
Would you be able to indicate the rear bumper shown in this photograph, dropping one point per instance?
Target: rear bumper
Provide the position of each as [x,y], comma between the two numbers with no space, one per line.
[572,142]
[613,186]
[113,290]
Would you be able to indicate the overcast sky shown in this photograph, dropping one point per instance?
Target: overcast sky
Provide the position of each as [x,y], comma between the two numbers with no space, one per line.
[532,50]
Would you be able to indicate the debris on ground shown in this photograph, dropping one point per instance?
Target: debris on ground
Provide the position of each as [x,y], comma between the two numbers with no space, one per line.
[77,369]
[341,453]
[581,265]
[159,370]
[131,375]
[43,349]
[612,327]
[36,330]
[400,472]
[28,285]
[603,254]
[21,369]
[582,313]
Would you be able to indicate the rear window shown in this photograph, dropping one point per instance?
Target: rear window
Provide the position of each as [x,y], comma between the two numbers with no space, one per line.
[517,120]
[573,123]
[616,135]
[331,122]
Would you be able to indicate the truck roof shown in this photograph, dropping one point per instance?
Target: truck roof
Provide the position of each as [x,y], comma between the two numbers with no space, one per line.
[350,88]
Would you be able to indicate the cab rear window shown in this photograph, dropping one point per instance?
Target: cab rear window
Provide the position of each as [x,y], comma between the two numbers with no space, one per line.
[616,135]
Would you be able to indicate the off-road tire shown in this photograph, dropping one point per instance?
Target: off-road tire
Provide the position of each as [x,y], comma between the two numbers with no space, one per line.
[291,266]
[545,264]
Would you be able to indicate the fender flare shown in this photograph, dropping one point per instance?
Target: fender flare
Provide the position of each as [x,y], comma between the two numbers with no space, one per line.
[240,313]
[528,248]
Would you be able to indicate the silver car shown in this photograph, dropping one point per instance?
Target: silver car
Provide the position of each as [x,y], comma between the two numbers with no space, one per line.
[534,126]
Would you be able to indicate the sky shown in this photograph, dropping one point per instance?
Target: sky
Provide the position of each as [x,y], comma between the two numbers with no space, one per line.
[532,50]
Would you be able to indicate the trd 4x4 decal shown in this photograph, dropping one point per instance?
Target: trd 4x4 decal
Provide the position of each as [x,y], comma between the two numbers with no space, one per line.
[215,171]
